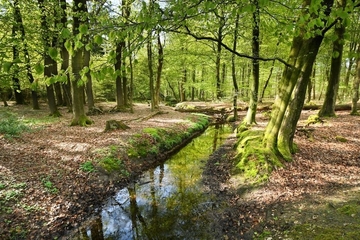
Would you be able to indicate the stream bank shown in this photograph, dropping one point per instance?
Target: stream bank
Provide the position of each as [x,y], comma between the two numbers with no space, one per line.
[166,202]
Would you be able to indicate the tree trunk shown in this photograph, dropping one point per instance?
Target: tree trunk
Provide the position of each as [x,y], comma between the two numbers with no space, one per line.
[233,68]
[151,71]
[293,112]
[119,86]
[65,59]
[352,49]
[77,64]
[251,113]
[298,58]
[218,64]
[181,86]
[193,86]
[89,85]
[159,70]
[19,21]
[355,97]
[311,85]
[19,98]
[49,68]
[328,108]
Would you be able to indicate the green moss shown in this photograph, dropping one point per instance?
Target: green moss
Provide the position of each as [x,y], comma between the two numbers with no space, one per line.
[313,119]
[340,139]
[253,160]
[349,209]
[313,231]
[152,141]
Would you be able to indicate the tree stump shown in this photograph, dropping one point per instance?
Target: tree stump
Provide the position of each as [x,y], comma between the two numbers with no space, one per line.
[112,125]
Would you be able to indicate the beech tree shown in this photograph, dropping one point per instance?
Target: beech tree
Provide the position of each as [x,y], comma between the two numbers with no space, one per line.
[80,28]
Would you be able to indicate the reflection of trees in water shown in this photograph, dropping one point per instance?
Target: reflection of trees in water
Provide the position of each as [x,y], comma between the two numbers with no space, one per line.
[96,230]
[172,205]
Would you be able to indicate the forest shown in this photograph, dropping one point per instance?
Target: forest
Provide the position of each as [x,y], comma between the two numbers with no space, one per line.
[95,93]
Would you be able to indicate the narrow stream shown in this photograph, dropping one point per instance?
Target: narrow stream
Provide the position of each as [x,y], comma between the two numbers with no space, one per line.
[168,202]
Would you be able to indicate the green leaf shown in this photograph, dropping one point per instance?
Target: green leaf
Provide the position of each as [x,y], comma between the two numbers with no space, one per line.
[98,39]
[7,66]
[78,44]
[68,45]
[39,68]
[83,28]
[89,46]
[53,53]
[65,33]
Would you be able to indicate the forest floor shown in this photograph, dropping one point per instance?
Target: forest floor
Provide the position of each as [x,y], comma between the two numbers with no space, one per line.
[44,192]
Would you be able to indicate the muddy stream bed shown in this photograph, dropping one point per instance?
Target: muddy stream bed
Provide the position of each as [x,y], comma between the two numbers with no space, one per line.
[168,202]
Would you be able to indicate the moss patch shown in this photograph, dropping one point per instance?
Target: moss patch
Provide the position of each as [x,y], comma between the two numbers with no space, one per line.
[152,141]
[253,160]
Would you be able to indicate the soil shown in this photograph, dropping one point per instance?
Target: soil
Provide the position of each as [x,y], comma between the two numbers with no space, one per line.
[312,191]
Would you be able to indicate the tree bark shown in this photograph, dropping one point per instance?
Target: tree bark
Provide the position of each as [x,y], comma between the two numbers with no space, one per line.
[119,86]
[19,98]
[49,68]
[251,113]
[328,108]
[293,112]
[298,58]
[77,64]
[19,22]
[233,68]
[65,56]
[159,70]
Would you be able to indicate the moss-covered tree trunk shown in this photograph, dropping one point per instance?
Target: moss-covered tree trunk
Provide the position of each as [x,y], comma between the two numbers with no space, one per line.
[251,113]
[293,112]
[286,86]
[328,107]
[77,64]
[280,142]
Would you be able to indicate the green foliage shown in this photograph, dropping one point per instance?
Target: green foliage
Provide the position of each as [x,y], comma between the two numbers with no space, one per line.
[49,186]
[87,166]
[11,126]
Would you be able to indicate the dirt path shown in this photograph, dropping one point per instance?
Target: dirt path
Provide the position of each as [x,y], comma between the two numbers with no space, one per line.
[47,193]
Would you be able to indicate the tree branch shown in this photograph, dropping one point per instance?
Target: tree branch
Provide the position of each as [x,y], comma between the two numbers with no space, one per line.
[188,32]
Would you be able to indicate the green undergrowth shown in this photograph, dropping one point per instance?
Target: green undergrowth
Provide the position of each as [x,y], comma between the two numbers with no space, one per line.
[109,161]
[335,221]
[149,142]
[11,126]
[153,141]
[253,160]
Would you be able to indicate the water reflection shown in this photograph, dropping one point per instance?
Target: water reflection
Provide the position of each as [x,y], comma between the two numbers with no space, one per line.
[167,202]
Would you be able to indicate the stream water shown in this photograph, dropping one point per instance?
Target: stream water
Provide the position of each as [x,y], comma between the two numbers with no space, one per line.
[168,202]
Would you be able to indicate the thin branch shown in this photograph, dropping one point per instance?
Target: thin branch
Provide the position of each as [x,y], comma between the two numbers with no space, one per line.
[188,32]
